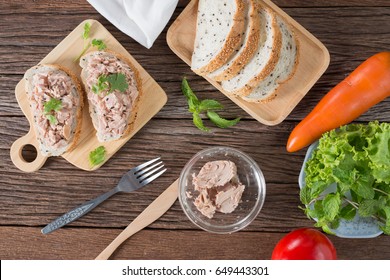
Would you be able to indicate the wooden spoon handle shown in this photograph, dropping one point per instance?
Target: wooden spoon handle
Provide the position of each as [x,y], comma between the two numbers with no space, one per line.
[154,211]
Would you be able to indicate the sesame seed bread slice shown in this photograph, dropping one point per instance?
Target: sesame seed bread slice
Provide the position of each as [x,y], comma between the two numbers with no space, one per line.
[248,47]
[264,60]
[47,81]
[220,25]
[283,70]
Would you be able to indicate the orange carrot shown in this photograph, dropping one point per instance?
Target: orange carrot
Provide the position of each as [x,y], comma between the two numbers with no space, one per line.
[366,86]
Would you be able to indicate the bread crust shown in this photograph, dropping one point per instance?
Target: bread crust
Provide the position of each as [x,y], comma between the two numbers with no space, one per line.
[249,48]
[73,143]
[135,106]
[233,41]
[269,67]
[273,95]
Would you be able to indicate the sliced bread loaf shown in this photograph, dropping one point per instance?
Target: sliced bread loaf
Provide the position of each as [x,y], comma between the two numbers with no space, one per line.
[246,49]
[264,60]
[56,101]
[113,110]
[283,70]
[219,31]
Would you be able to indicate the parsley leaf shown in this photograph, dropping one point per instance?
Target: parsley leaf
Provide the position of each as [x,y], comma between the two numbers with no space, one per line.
[111,82]
[87,29]
[52,105]
[196,106]
[117,82]
[97,156]
[101,85]
[52,119]
[87,43]
[99,44]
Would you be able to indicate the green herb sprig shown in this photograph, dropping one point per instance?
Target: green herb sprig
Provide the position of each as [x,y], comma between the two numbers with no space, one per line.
[111,82]
[355,158]
[99,44]
[208,106]
[52,105]
[97,156]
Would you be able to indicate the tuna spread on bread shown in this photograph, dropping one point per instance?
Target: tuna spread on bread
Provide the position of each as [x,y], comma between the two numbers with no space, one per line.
[219,188]
[55,101]
[113,89]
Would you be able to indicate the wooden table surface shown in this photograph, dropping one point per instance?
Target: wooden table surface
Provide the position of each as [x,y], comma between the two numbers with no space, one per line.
[352,30]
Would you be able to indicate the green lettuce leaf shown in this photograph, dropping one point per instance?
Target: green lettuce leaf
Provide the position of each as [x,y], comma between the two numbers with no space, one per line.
[356,157]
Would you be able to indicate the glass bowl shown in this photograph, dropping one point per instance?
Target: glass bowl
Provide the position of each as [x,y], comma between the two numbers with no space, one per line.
[252,198]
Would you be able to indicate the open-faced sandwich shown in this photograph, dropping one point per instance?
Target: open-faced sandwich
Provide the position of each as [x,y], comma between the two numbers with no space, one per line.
[56,100]
[113,87]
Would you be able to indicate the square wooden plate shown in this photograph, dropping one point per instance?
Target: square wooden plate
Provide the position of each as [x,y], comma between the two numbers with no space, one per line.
[313,61]
[152,100]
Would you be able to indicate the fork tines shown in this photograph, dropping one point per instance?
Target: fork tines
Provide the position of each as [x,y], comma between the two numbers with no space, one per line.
[148,171]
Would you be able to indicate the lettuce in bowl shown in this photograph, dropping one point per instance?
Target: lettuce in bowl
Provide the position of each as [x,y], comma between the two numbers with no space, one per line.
[355,158]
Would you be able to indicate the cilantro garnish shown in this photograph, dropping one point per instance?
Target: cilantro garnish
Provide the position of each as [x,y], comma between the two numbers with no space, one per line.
[87,43]
[97,156]
[99,44]
[113,82]
[52,105]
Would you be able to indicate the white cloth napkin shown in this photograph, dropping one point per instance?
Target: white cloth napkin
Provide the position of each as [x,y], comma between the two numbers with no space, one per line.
[143,20]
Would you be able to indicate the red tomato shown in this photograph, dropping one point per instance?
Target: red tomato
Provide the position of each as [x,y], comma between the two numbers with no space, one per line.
[304,244]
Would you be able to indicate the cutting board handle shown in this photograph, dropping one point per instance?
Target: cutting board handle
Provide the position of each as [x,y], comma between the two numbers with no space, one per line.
[17,155]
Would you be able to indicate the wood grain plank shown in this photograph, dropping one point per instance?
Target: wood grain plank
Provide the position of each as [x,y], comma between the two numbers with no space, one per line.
[356,42]
[42,196]
[83,6]
[29,201]
[29,243]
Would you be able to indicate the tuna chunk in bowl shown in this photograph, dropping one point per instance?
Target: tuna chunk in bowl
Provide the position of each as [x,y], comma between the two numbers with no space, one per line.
[221,190]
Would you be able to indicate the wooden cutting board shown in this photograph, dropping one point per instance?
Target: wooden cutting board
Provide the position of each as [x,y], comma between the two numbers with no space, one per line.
[152,100]
[313,61]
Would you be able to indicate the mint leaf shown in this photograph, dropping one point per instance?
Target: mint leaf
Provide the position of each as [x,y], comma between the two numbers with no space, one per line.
[198,122]
[97,156]
[193,101]
[368,208]
[209,104]
[362,185]
[117,82]
[221,122]
[187,91]
[348,212]
[331,204]
[305,196]
[99,44]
